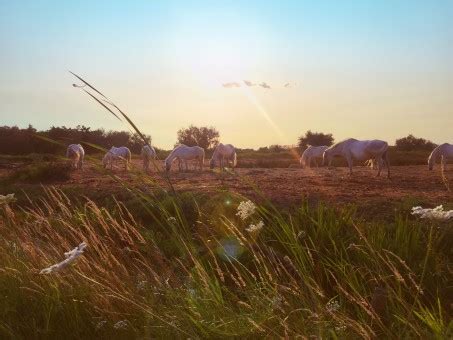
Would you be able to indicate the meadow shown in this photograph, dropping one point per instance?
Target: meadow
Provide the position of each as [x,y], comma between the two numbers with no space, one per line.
[167,257]
[269,250]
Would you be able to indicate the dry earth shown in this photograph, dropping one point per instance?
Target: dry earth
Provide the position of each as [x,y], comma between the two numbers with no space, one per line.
[288,187]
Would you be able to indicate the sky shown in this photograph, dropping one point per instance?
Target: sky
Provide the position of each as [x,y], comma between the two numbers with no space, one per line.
[362,69]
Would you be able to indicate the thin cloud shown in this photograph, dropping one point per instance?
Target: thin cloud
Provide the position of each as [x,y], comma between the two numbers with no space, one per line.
[263,85]
[249,83]
[231,85]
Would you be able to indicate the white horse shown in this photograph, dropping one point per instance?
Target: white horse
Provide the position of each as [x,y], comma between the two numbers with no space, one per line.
[184,153]
[443,151]
[114,153]
[223,152]
[312,153]
[148,153]
[76,154]
[353,149]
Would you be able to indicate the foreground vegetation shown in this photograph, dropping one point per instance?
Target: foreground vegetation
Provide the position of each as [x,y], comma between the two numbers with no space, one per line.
[213,267]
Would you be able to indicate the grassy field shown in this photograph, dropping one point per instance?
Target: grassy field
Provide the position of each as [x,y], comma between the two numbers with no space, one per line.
[185,264]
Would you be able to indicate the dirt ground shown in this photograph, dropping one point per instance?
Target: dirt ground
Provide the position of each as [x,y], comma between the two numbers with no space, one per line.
[372,195]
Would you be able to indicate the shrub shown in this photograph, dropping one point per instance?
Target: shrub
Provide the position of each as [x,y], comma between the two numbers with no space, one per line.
[411,143]
[48,172]
[315,139]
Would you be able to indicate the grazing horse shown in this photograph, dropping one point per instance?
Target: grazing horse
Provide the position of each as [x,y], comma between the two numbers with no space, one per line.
[223,152]
[444,151]
[184,153]
[76,154]
[312,153]
[360,150]
[148,153]
[114,153]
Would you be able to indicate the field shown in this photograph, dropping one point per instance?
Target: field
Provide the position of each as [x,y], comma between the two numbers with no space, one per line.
[316,253]
[373,196]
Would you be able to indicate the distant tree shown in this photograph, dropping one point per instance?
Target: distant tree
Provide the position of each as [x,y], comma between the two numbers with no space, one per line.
[315,139]
[276,148]
[14,140]
[410,143]
[205,137]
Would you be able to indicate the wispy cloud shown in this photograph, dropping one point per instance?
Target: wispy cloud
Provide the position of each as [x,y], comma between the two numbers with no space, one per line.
[250,83]
[231,85]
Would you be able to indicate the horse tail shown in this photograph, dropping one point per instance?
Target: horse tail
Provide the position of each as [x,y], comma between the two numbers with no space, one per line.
[202,159]
[128,156]
[433,156]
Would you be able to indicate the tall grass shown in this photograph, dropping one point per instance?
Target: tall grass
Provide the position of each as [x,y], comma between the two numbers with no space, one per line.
[194,270]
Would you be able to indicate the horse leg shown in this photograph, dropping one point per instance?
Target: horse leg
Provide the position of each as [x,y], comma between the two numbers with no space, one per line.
[349,160]
[379,165]
[385,158]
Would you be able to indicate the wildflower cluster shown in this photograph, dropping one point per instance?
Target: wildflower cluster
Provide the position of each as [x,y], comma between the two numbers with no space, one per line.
[71,256]
[5,199]
[246,209]
[332,306]
[255,228]
[123,324]
[437,213]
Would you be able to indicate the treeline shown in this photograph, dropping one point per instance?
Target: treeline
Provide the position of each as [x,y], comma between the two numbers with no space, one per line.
[17,141]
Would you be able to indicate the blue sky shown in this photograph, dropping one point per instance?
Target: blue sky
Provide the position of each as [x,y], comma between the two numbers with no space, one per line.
[364,69]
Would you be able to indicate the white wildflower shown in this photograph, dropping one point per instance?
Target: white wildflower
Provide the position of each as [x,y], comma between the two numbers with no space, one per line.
[100,324]
[71,256]
[5,199]
[332,306]
[245,209]
[141,285]
[276,302]
[301,234]
[123,324]
[171,220]
[255,228]
[437,213]
[340,327]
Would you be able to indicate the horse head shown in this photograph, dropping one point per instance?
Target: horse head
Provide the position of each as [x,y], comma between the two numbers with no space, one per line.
[167,165]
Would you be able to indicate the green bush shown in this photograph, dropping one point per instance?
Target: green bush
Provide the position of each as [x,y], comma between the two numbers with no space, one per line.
[48,172]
